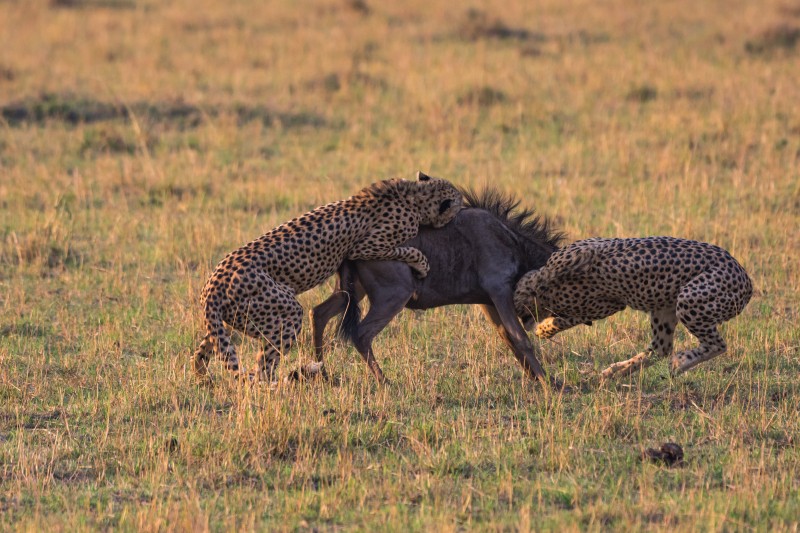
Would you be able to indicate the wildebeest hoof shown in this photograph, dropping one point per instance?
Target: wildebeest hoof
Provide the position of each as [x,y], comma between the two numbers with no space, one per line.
[669,454]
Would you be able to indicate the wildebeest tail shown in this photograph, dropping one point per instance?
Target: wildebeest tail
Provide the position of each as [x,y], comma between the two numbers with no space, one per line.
[348,328]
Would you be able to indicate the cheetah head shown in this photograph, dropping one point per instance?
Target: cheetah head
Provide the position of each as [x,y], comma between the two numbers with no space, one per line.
[532,313]
[529,299]
[438,200]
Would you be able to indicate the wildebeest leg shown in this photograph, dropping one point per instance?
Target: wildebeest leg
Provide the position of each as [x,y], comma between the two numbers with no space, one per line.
[347,292]
[381,312]
[510,330]
[389,286]
[335,305]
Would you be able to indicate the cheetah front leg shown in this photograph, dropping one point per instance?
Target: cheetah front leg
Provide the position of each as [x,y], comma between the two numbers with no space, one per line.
[548,327]
[567,315]
[662,327]
[407,254]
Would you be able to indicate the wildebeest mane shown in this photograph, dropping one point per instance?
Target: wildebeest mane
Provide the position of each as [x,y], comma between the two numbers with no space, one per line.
[522,221]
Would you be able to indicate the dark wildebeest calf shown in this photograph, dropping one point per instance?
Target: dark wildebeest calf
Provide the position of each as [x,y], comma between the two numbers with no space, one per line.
[476,259]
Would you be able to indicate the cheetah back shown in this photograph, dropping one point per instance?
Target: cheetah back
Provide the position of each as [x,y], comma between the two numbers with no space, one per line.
[647,273]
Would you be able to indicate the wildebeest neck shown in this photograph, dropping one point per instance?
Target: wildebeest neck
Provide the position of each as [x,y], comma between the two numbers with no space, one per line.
[474,254]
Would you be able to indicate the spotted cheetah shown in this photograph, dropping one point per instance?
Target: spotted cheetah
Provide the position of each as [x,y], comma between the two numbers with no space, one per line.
[672,279]
[253,289]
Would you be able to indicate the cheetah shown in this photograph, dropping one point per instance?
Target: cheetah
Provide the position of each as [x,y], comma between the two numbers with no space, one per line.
[254,289]
[699,284]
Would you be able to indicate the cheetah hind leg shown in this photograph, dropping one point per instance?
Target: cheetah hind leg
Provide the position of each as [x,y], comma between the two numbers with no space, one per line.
[267,311]
[662,327]
[711,345]
[282,332]
[704,303]
[266,363]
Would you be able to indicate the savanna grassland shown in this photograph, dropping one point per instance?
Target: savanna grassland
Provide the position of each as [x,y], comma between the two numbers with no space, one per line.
[140,141]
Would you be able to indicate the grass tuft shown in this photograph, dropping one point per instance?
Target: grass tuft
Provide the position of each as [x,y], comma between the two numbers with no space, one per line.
[642,94]
[477,24]
[782,37]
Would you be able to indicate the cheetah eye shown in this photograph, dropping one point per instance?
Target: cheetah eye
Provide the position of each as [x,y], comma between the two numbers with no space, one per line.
[444,206]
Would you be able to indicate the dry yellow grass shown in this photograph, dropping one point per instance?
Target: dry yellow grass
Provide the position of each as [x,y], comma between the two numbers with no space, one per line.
[141,141]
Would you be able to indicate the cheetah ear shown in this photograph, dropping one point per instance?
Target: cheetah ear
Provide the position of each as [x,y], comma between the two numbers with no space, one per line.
[422,177]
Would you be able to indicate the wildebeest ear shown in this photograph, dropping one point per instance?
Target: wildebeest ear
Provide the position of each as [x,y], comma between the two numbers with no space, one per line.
[444,206]
[422,177]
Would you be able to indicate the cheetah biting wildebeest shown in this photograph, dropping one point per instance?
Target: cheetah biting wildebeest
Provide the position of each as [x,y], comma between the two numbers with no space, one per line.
[672,279]
[253,289]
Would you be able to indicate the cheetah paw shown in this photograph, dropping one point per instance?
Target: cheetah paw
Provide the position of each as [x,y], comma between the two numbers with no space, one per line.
[420,270]
[678,366]
[627,367]
[545,329]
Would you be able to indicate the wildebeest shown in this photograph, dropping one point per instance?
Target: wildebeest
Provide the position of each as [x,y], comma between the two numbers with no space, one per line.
[476,259]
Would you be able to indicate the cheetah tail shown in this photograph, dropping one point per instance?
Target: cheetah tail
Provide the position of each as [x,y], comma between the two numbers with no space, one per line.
[219,337]
[348,329]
